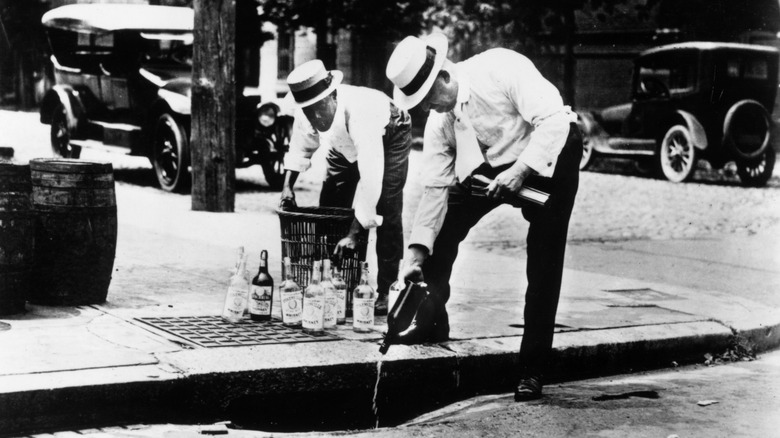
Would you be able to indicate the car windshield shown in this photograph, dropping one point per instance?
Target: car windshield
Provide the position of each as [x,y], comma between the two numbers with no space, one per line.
[666,76]
[168,50]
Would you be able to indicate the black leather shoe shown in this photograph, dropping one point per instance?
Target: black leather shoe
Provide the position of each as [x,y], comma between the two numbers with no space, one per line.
[529,389]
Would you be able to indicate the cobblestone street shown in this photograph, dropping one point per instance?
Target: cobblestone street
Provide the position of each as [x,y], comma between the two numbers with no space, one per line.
[614,203]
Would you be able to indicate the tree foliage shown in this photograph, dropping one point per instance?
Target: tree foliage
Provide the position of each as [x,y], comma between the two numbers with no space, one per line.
[383,18]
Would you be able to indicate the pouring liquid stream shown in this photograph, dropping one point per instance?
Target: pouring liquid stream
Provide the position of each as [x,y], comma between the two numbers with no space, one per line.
[376,392]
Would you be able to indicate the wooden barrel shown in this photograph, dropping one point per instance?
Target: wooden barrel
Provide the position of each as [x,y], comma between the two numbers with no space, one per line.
[76,229]
[17,235]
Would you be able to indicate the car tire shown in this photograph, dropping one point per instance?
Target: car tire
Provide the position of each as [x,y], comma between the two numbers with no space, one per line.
[170,154]
[677,154]
[747,131]
[757,173]
[60,134]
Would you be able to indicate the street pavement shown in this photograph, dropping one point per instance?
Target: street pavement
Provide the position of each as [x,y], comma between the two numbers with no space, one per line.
[644,288]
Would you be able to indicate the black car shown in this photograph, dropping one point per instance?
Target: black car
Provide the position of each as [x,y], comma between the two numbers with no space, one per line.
[691,101]
[123,76]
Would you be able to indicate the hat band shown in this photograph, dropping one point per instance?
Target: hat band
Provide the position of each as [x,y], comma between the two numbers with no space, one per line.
[422,75]
[309,93]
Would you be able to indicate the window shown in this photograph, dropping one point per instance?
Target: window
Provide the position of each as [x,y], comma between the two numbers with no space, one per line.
[756,69]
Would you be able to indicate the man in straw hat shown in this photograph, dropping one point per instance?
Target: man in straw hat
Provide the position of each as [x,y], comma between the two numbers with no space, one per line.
[368,139]
[494,116]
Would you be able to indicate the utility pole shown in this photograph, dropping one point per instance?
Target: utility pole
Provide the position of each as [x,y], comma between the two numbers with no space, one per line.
[213,139]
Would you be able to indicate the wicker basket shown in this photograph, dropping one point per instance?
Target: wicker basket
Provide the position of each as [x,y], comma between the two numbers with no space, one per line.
[303,230]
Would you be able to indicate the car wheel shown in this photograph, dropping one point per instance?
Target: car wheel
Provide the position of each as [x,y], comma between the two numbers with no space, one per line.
[677,154]
[170,155]
[747,131]
[60,134]
[273,169]
[757,173]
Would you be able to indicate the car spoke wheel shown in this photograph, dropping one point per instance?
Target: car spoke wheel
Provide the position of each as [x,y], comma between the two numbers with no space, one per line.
[677,154]
[170,155]
[60,134]
[273,170]
[757,173]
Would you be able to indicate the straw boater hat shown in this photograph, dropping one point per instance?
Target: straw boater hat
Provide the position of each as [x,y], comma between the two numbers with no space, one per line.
[413,67]
[310,82]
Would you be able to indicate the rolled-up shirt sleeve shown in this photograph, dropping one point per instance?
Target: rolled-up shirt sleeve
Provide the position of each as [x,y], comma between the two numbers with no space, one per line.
[371,164]
[304,141]
[367,128]
[539,102]
[438,175]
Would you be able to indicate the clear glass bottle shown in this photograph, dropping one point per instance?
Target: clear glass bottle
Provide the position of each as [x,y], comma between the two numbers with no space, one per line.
[329,290]
[341,295]
[237,293]
[363,299]
[291,297]
[314,302]
[261,292]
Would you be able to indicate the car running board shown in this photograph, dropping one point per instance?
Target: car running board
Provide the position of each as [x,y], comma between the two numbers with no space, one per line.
[628,146]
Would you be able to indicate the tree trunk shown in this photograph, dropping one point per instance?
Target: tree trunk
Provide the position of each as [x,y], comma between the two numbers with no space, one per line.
[213,106]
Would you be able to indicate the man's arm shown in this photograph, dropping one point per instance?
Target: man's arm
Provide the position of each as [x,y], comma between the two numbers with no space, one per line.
[288,194]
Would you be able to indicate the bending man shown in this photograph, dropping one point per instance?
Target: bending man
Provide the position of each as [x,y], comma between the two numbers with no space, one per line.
[496,116]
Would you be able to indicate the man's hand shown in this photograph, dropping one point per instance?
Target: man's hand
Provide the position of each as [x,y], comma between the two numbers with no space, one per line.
[288,198]
[345,247]
[413,268]
[509,181]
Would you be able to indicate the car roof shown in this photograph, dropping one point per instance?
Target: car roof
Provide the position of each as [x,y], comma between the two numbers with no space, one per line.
[708,46]
[92,17]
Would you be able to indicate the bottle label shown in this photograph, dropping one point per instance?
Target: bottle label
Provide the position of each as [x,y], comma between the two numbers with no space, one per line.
[292,306]
[363,313]
[313,313]
[341,304]
[329,314]
[260,300]
[235,303]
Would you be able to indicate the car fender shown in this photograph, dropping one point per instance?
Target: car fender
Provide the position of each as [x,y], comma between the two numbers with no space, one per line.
[69,98]
[591,129]
[698,135]
[178,103]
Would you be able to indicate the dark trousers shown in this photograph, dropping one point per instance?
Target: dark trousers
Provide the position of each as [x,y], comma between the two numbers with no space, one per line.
[338,190]
[546,244]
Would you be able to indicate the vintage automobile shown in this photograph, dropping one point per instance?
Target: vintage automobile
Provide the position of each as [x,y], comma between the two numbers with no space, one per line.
[123,76]
[691,101]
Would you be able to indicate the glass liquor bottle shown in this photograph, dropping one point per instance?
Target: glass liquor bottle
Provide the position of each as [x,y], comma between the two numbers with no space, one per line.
[363,304]
[261,292]
[291,296]
[314,302]
[396,288]
[341,295]
[329,291]
[237,292]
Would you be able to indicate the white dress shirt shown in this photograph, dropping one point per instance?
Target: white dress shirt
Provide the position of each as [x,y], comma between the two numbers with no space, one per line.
[515,113]
[359,124]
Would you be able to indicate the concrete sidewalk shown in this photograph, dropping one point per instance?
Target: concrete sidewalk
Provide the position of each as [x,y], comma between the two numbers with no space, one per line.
[77,367]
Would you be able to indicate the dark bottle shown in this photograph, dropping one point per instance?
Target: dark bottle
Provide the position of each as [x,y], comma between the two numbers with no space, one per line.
[261,293]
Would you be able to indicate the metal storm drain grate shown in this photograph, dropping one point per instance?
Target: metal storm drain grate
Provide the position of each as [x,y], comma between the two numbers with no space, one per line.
[213,331]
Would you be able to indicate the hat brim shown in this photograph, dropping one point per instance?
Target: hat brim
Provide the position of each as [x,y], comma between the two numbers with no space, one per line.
[407,102]
[338,76]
